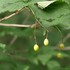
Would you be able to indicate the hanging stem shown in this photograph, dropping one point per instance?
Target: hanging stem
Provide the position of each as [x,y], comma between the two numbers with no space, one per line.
[35,34]
[60,33]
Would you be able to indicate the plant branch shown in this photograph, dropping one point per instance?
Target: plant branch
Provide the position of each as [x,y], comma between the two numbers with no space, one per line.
[7,17]
[11,15]
[67,48]
[13,40]
[66,38]
[14,25]
[19,25]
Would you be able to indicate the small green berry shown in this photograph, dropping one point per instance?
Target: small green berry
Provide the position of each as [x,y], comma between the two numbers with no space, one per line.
[46,42]
[61,46]
[36,47]
[59,55]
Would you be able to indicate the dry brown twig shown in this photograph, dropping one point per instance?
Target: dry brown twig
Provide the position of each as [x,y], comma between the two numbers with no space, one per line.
[11,15]
[18,25]
[14,25]
[7,17]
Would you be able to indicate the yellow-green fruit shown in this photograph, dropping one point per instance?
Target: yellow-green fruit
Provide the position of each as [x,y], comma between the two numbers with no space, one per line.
[59,55]
[36,47]
[46,42]
[61,46]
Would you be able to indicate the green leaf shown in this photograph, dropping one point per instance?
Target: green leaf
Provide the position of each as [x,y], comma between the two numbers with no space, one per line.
[63,22]
[10,5]
[53,65]
[45,54]
[13,5]
[44,58]
[52,16]
[35,1]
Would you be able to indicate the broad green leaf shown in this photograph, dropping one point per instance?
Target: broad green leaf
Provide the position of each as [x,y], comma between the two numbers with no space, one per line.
[63,22]
[10,5]
[44,58]
[53,65]
[35,1]
[45,54]
[51,16]
[13,5]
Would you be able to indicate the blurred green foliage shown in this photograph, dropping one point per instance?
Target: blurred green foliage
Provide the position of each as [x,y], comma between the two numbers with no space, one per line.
[16,44]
